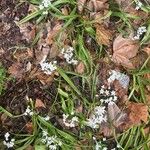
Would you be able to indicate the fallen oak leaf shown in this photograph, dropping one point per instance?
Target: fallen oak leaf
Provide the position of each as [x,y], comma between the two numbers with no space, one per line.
[123,50]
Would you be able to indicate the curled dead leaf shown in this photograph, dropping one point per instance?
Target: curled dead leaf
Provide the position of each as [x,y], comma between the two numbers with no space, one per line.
[123,50]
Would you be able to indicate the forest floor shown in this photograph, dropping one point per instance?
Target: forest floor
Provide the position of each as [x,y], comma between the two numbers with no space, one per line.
[75,75]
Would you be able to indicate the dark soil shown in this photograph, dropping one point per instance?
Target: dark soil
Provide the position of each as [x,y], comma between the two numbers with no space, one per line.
[14,98]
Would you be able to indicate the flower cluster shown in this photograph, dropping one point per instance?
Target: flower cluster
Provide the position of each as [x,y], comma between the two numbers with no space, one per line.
[48,68]
[46,118]
[45,4]
[68,55]
[70,122]
[107,95]
[28,111]
[138,5]
[122,78]
[99,145]
[52,142]
[140,31]
[8,142]
[98,116]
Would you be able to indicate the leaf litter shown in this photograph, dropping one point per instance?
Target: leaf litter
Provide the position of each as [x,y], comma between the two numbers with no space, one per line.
[108,62]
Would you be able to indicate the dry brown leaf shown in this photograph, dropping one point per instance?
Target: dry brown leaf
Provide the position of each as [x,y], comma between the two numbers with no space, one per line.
[80,4]
[80,68]
[137,112]
[30,148]
[1,51]
[147,50]
[147,99]
[29,127]
[16,70]
[97,5]
[52,33]
[54,51]
[103,35]
[21,55]
[39,103]
[116,117]
[41,55]
[79,109]
[3,118]
[124,49]
[28,30]
[147,76]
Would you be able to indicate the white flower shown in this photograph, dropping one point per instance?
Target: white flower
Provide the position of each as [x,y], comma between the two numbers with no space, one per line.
[70,122]
[118,146]
[7,135]
[68,55]
[107,92]
[102,91]
[28,111]
[48,68]
[113,93]
[46,118]
[122,78]
[44,4]
[100,110]
[52,147]
[115,98]
[98,146]
[10,143]
[140,31]
[108,96]
[45,12]
[98,116]
[44,133]
[41,7]
[92,123]
[52,142]
[103,87]
[138,5]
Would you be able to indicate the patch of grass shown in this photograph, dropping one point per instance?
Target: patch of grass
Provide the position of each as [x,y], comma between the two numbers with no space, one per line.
[2,79]
[140,82]
[134,139]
